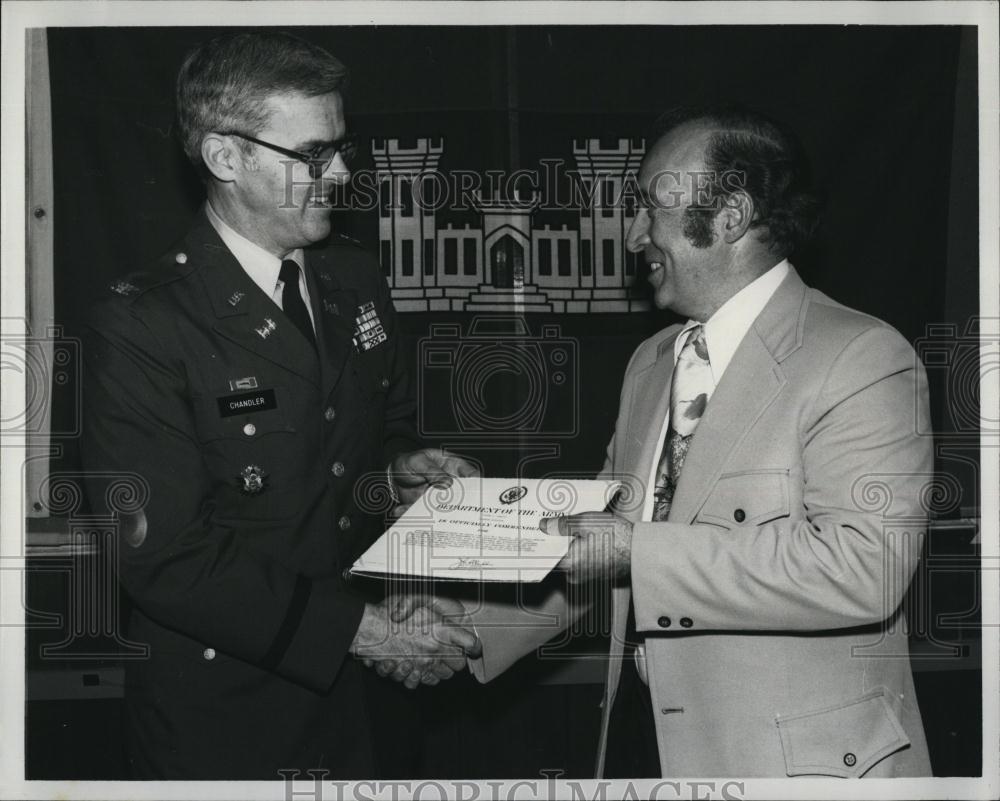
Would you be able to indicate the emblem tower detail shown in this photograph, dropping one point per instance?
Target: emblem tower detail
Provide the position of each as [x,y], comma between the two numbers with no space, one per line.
[407,225]
[607,211]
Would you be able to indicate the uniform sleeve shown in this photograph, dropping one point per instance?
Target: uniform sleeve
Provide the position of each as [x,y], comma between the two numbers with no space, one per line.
[181,568]
[838,566]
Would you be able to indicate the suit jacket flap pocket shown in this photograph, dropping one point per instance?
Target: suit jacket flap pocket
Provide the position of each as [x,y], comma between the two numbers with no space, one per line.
[749,498]
[844,740]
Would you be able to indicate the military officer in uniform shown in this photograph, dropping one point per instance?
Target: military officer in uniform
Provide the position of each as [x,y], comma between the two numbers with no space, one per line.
[252,385]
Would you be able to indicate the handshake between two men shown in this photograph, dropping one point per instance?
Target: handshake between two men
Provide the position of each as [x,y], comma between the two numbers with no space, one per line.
[415,637]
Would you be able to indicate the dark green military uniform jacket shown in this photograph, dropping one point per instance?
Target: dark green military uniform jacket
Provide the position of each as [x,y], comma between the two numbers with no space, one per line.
[257,459]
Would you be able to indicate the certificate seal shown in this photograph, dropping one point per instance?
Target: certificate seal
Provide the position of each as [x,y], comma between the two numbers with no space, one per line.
[513,494]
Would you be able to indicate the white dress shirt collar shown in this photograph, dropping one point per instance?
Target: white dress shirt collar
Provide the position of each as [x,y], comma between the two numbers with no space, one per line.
[725,329]
[261,266]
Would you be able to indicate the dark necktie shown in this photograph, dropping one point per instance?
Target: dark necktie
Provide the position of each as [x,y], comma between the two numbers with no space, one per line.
[291,300]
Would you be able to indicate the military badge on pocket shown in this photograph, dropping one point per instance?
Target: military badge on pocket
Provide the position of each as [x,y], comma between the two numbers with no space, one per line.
[252,480]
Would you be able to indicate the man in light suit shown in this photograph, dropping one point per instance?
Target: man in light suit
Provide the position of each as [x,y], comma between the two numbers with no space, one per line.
[771,515]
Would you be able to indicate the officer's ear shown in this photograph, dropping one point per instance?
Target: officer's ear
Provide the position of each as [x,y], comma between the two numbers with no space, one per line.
[221,156]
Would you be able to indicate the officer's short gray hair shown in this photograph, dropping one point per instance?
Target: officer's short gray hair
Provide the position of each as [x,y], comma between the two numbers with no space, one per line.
[223,83]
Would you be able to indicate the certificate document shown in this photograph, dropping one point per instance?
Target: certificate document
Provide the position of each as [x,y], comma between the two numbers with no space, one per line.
[483,529]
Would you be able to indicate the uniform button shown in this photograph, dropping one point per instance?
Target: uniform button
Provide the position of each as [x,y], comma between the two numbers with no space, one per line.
[344,523]
[209,654]
[249,429]
[181,258]
[385,383]
[663,622]
[329,413]
[337,469]
[686,622]
[850,760]
[739,515]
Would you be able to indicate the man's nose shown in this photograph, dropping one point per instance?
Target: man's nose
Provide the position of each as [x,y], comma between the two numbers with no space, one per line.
[638,234]
[337,170]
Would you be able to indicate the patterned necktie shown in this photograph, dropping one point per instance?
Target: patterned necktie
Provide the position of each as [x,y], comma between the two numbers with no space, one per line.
[291,300]
[690,390]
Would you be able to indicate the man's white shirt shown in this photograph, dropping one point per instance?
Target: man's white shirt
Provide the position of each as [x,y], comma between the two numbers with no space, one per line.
[724,331]
[262,267]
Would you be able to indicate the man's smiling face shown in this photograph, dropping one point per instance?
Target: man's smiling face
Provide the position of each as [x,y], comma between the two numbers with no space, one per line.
[682,252]
[287,207]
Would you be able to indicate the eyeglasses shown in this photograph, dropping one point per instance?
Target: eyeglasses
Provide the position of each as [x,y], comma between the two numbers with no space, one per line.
[317,159]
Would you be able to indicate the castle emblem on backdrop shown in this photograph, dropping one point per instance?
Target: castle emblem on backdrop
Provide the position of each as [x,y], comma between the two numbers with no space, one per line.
[508,262]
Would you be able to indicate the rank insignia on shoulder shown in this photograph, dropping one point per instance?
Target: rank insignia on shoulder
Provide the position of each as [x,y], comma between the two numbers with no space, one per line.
[123,288]
[265,330]
[368,329]
[330,308]
[250,382]
[252,480]
[235,298]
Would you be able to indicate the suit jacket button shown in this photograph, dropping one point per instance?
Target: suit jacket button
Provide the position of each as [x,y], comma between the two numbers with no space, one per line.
[337,469]
[686,622]
[850,760]
[329,413]
[209,654]
[663,622]
[739,515]
[344,523]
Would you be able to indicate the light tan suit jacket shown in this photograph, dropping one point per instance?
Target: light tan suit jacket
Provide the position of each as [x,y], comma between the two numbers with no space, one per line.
[770,599]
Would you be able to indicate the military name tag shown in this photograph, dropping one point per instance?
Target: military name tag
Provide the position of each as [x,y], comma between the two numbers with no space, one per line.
[247,402]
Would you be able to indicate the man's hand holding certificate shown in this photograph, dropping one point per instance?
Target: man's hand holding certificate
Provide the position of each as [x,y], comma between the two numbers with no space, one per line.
[484,529]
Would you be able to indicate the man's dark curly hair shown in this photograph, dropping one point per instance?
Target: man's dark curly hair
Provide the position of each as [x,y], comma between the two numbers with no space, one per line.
[750,152]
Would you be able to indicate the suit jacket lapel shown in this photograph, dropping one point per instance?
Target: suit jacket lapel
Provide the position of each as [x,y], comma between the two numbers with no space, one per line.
[334,310]
[244,314]
[751,382]
[650,403]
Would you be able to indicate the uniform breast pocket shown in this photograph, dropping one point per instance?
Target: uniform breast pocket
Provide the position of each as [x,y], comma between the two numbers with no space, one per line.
[249,447]
[747,498]
[246,417]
